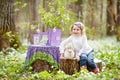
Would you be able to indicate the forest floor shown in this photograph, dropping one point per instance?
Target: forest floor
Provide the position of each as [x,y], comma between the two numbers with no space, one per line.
[12,65]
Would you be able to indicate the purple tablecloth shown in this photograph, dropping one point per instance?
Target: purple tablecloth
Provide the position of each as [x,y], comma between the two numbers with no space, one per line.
[52,50]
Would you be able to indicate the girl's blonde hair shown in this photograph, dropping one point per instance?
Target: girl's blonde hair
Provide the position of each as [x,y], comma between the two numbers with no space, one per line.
[80,25]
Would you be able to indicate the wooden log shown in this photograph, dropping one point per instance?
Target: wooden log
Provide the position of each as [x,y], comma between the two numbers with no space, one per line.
[69,66]
[40,65]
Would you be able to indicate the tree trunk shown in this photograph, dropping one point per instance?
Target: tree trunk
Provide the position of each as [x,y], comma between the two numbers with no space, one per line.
[77,8]
[7,22]
[118,20]
[92,10]
[110,17]
[33,17]
[7,16]
[101,10]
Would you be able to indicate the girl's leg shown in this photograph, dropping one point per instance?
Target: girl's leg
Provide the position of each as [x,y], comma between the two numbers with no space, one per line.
[83,60]
[91,62]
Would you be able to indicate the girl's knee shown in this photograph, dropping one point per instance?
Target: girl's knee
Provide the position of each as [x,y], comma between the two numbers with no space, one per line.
[83,57]
[90,61]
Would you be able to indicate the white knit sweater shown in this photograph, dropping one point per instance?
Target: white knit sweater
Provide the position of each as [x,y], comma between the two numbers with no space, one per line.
[80,44]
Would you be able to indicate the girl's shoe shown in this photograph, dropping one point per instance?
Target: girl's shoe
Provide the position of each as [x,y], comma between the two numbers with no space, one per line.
[96,71]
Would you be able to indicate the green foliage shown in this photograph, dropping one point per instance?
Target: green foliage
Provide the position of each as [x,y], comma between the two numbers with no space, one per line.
[11,65]
[19,5]
[22,49]
[110,55]
[96,33]
[45,75]
[58,15]
[13,39]
[60,75]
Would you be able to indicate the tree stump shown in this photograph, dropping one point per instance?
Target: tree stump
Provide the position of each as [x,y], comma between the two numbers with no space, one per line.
[41,65]
[69,66]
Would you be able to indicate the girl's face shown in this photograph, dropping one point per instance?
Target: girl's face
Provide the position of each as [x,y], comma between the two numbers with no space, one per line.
[76,31]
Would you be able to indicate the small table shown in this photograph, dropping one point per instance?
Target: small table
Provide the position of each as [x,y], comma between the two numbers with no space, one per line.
[52,50]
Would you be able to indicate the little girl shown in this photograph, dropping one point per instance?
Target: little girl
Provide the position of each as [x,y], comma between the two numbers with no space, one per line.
[83,51]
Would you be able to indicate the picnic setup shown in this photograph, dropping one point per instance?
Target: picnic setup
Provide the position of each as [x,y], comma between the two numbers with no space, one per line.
[48,43]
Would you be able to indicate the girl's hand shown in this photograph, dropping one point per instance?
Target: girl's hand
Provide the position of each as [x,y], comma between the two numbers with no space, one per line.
[61,56]
[77,58]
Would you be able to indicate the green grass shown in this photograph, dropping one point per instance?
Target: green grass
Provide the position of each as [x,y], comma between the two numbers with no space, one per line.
[107,49]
